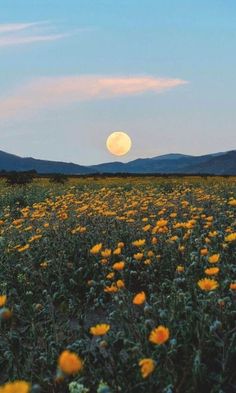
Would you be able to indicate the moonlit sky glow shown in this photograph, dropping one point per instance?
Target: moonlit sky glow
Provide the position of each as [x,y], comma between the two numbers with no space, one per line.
[74,70]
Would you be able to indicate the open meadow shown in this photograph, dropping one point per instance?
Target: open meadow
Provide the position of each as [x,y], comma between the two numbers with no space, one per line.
[118,285]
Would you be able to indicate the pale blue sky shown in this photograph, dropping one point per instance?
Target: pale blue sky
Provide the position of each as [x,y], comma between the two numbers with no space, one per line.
[63,80]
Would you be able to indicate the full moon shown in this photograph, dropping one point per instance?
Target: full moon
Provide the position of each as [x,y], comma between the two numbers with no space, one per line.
[118,143]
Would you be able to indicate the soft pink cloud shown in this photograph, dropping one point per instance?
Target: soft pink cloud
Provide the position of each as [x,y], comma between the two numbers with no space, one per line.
[45,93]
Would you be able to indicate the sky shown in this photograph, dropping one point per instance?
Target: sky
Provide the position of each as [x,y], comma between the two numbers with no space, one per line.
[73,71]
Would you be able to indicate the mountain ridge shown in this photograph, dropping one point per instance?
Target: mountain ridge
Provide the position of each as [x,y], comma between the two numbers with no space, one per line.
[221,163]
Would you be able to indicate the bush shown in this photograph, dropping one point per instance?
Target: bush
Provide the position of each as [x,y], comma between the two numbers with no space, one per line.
[59,178]
[20,178]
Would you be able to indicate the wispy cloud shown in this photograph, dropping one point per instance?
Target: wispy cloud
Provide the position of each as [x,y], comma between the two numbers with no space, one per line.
[45,93]
[29,40]
[12,27]
[28,33]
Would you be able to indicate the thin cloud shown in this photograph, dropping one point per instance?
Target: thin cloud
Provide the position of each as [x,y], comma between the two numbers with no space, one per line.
[8,41]
[12,27]
[28,33]
[46,93]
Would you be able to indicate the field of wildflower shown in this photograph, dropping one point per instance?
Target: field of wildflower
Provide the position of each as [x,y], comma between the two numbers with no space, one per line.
[118,285]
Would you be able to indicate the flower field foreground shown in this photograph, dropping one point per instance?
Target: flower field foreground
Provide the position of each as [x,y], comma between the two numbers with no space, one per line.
[118,285]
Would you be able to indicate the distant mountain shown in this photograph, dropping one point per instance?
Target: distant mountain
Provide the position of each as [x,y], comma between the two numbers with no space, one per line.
[218,163]
[11,162]
[172,156]
[223,163]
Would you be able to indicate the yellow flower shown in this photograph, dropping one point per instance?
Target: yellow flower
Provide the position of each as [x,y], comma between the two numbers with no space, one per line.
[69,363]
[214,258]
[117,251]
[96,249]
[104,261]
[110,275]
[150,254]
[79,229]
[213,234]
[120,284]
[233,286]
[232,202]
[180,268]
[147,366]
[173,238]
[139,243]
[63,216]
[23,248]
[3,300]
[190,224]
[204,251]
[139,298]
[33,238]
[161,223]
[146,227]
[112,289]
[118,265]
[231,237]
[43,265]
[210,218]
[16,387]
[138,256]
[106,253]
[100,329]
[18,222]
[121,244]
[159,335]
[28,228]
[212,271]
[207,284]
